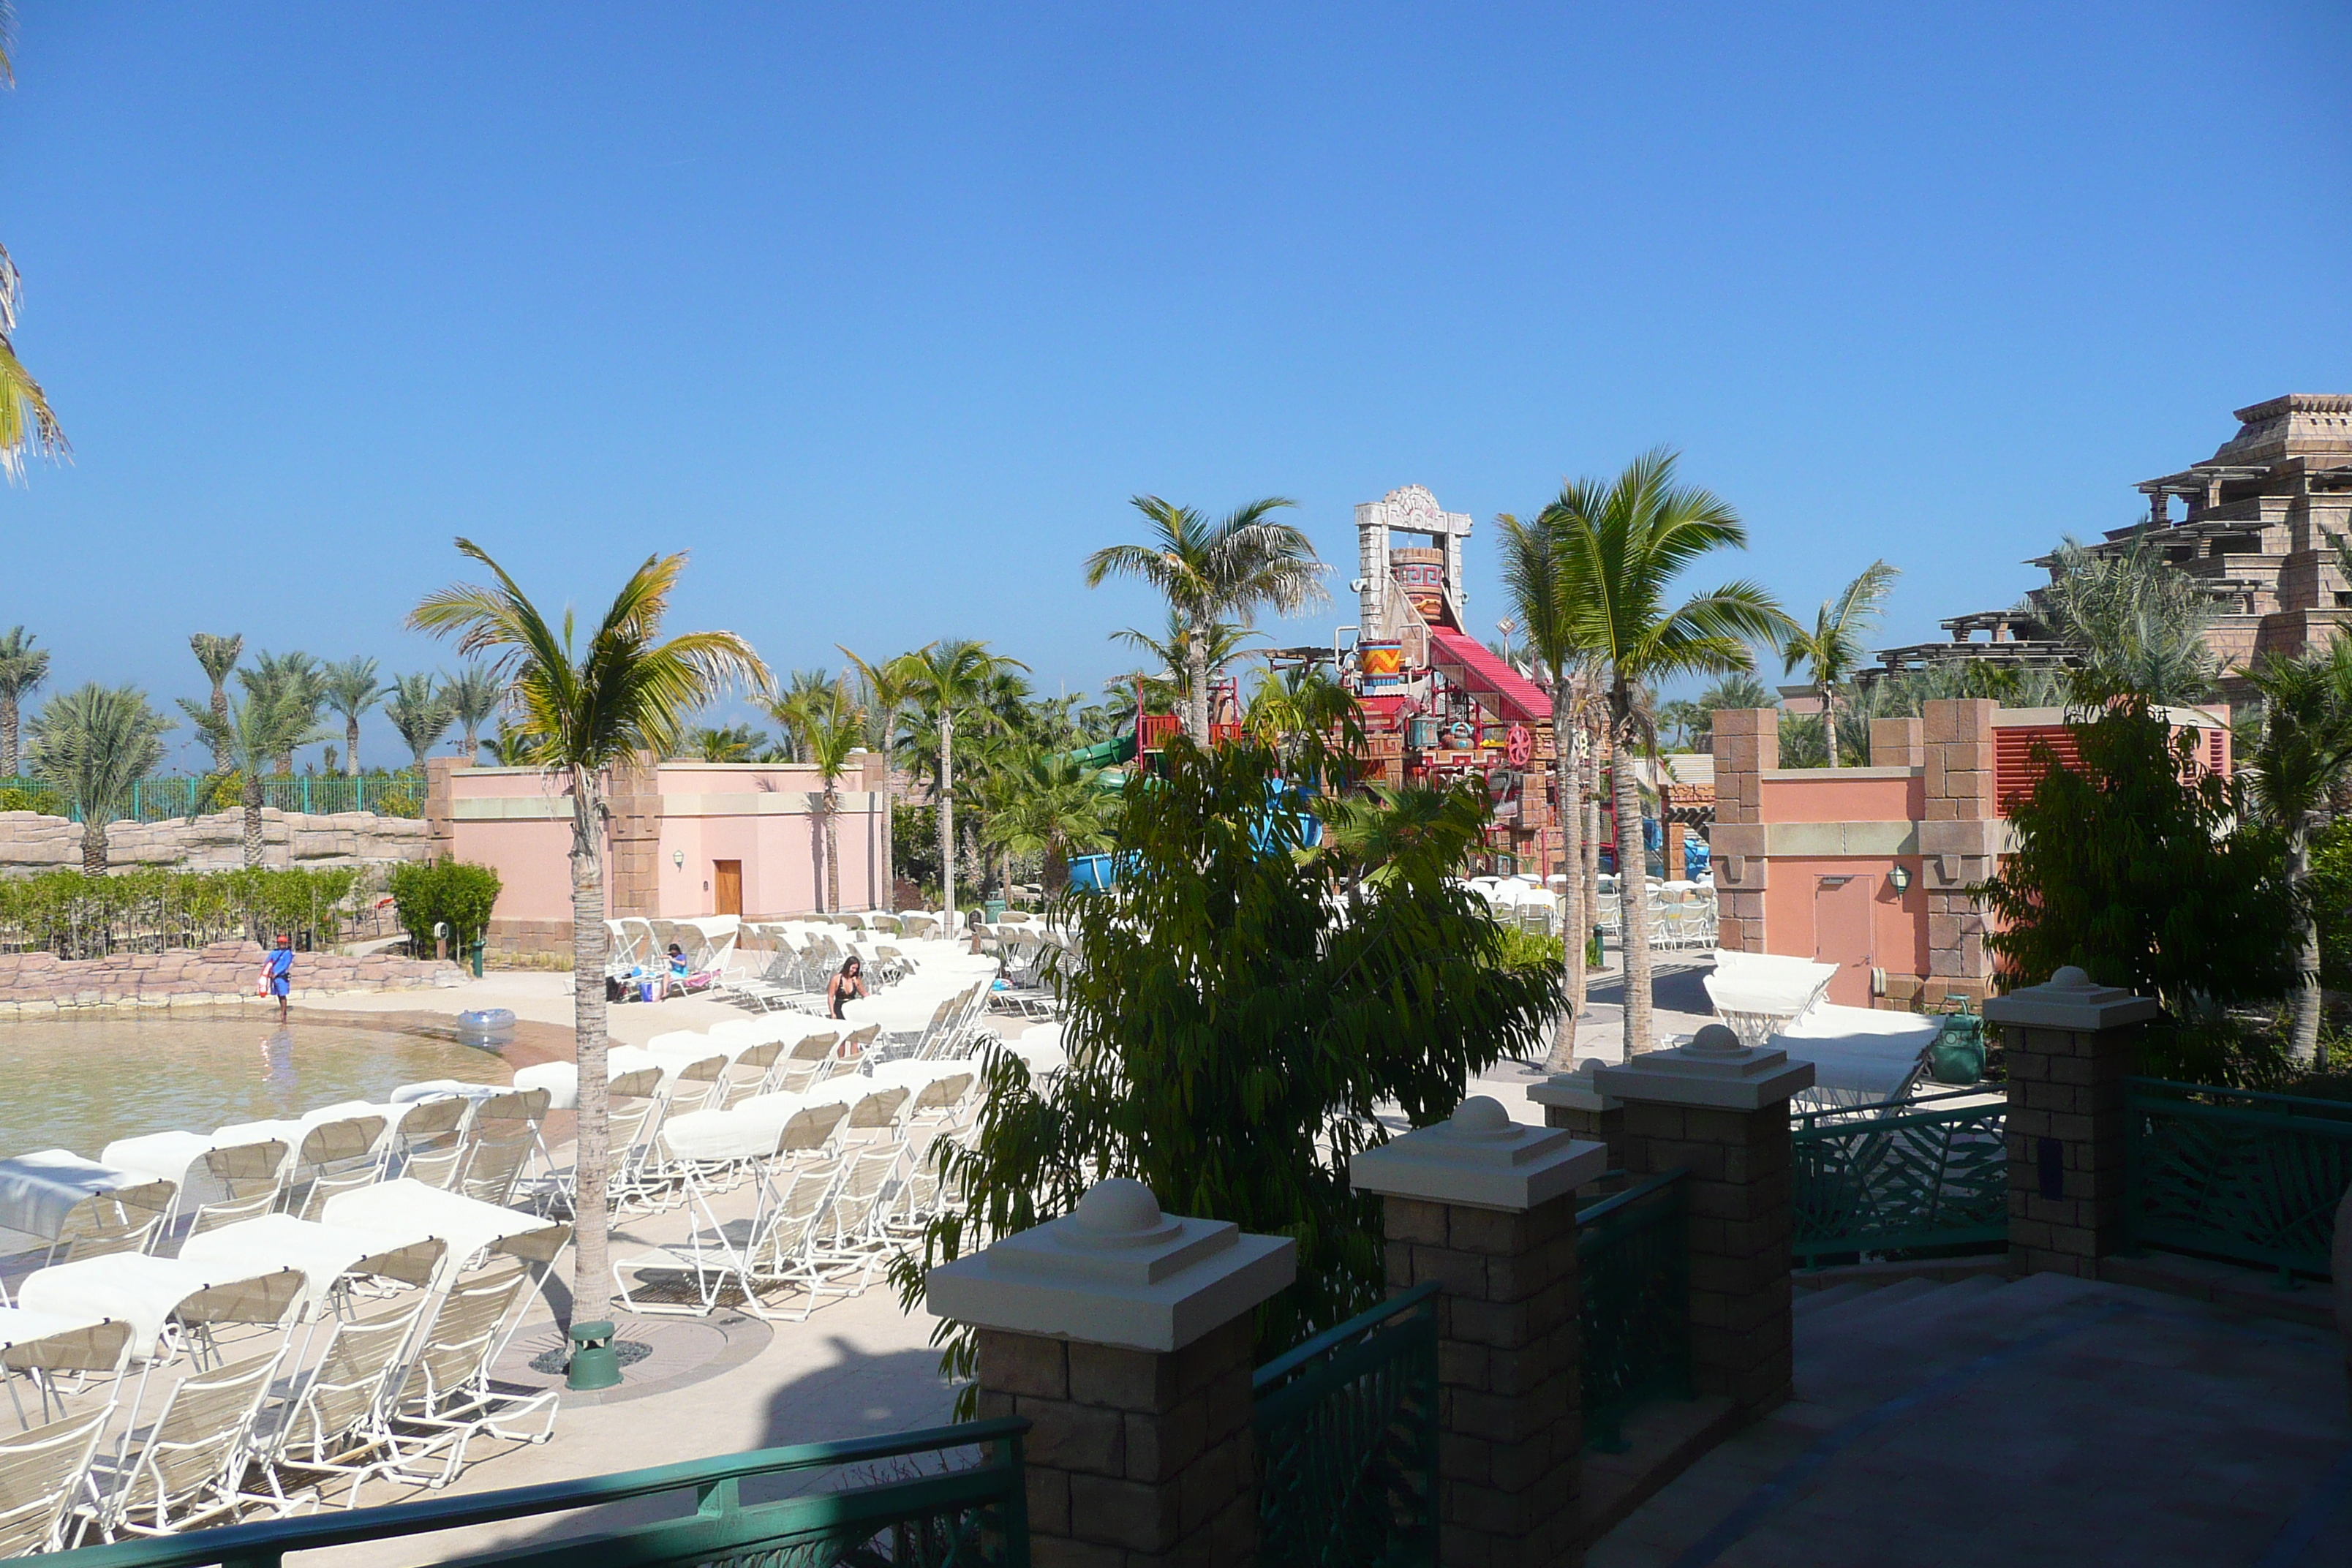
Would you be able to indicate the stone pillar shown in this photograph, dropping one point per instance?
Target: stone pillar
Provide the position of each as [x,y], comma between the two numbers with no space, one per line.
[1571,1101]
[1747,746]
[1123,1335]
[1898,743]
[440,809]
[1487,1206]
[633,881]
[1958,842]
[2069,1045]
[1720,1111]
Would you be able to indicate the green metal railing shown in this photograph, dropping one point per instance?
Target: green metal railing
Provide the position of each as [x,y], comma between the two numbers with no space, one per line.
[2231,1173]
[895,1501]
[1347,1442]
[1632,1260]
[1900,1176]
[161,799]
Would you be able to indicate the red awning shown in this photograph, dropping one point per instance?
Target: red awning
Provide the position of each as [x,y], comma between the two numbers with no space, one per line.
[1518,698]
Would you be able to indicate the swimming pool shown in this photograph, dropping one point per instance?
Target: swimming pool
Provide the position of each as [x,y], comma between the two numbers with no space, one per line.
[79,1083]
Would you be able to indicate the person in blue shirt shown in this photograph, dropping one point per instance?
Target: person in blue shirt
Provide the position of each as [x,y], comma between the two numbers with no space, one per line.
[277,973]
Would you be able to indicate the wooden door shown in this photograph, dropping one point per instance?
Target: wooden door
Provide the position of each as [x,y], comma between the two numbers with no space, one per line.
[726,886]
[1841,908]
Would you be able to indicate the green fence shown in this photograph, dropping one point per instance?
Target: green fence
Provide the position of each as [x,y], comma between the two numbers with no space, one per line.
[161,799]
[1347,1442]
[2224,1172]
[951,1495]
[1901,1176]
[1632,1260]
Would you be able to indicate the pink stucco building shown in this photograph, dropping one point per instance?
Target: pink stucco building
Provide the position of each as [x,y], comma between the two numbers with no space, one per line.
[684,839]
[1869,868]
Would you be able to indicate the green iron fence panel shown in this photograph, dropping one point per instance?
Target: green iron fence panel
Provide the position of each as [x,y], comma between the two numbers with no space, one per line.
[1632,1261]
[949,1496]
[1906,1174]
[1347,1442]
[162,799]
[2232,1173]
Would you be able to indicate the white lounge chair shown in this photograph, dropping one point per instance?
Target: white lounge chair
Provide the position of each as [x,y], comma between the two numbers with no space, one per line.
[44,1474]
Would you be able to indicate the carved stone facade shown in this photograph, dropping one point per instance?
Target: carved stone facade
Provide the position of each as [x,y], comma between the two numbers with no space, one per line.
[32,842]
[1409,509]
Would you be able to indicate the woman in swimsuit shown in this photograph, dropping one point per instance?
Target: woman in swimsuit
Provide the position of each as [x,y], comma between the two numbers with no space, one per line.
[846,986]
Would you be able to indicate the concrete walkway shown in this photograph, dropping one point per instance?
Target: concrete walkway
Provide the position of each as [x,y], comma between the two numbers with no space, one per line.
[1990,1424]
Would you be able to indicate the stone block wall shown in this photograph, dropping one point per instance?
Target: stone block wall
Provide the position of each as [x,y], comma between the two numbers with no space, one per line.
[1134,1458]
[1747,746]
[1509,1390]
[31,842]
[1960,839]
[2065,1134]
[222,972]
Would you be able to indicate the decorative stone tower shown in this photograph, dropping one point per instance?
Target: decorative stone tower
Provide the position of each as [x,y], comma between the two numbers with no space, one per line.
[1412,510]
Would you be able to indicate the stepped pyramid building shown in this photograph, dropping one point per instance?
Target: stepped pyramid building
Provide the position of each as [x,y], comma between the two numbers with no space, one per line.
[2259,527]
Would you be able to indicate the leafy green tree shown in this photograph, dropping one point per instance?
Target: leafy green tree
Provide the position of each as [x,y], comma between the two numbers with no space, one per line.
[1373,838]
[1235,1036]
[268,722]
[2297,756]
[352,691]
[419,714]
[1621,545]
[1053,808]
[217,656]
[1213,572]
[454,894]
[23,667]
[473,694]
[586,711]
[1832,651]
[90,745]
[2145,868]
[884,704]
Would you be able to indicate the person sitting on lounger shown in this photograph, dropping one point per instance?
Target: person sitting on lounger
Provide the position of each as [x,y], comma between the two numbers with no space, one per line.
[846,986]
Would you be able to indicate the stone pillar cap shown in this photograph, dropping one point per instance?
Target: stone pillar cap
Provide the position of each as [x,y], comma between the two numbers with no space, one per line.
[1480,1158]
[2071,1000]
[1115,1272]
[1574,1090]
[1713,1073]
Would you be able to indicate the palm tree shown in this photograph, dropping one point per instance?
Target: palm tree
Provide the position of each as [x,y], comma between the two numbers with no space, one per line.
[419,714]
[809,696]
[90,745]
[218,656]
[1225,571]
[730,743]
[473,695]
[883,702]
[260,727]
[1832,651]
[25,423]
[826,745]
[1051,807]
[511,748]
[941,681]
[23,667]
[1368,835]
[588,710]
[1173,648]
[1534,579]
[1620,543]
[2299,752]
[293,681]
[351,691]
[2137,621]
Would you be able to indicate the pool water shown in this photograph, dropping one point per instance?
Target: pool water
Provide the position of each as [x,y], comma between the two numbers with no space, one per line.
[81,1083]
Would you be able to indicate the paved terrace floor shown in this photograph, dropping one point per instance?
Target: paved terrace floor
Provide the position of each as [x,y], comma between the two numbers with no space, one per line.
[1992,1424]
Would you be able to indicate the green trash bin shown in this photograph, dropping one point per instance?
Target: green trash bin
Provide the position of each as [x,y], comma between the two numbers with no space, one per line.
[1957,1057]
[994,909]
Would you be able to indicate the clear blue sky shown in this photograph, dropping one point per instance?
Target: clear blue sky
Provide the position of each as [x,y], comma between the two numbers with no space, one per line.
[885,311]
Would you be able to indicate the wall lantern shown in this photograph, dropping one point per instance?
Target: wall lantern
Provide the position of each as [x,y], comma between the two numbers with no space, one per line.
[1900,879]
[677,858]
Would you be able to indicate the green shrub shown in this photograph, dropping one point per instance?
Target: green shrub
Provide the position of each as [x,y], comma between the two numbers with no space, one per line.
[455,893]
[151,910]
[34,797]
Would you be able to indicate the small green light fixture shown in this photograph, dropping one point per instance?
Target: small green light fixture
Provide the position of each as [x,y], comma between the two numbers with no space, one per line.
[1899,879]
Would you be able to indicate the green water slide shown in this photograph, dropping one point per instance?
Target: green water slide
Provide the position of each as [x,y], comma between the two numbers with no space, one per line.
[1111,753]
